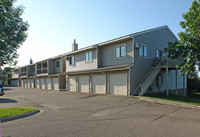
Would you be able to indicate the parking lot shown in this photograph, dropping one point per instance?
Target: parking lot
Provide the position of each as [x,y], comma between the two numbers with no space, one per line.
[66,114]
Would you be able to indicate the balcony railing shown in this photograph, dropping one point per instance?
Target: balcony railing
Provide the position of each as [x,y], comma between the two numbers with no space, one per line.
[42,71]
[23,73]
[169,62]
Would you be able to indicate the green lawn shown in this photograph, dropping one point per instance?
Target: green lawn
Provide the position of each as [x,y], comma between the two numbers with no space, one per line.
[5,112]
[194,99]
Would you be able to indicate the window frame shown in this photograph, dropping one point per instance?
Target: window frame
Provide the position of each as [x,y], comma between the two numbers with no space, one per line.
[120,57]
[89,61]
[143,51]
[160,53]
[70,57]
[56,64]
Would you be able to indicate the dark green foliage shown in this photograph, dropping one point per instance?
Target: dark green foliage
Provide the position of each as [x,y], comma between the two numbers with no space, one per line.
[188,48]
[12,31]
[193,85]
[7,72]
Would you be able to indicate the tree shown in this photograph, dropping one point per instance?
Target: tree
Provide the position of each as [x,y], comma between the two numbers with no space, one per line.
[12,31]
[188,48]
[7,75]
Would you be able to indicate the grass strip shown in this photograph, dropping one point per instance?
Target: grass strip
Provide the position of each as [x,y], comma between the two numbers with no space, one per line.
[5,112]
[174,98]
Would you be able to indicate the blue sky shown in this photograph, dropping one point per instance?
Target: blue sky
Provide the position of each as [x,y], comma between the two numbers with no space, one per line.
[55,23]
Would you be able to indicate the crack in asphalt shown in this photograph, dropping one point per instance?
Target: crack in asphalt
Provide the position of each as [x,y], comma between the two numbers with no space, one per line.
[167,114]
[36,104]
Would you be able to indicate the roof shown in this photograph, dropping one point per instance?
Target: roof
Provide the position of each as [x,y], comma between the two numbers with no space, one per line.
[80,50]
[102,69]
[126,37]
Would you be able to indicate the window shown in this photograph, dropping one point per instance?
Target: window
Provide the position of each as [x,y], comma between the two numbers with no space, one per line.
[143,51]
[88,56]
[16,71]
[159,53]
[71,60]
[120,51]
[58,64]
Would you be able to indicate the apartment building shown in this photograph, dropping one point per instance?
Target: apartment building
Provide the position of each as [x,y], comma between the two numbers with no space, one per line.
[15,81]
[134,64]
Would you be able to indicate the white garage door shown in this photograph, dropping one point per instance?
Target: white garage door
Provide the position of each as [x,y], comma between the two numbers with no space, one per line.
[13,83]
[32,83]
[43,83]
[84,84]
[55,83]
[22,83]
[48,80]
[28,83]
[72,83]
[99,84]
[118,84]
[37,83]
[25,83]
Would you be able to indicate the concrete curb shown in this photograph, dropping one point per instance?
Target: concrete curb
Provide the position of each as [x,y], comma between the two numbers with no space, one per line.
[169,103]
[10,118]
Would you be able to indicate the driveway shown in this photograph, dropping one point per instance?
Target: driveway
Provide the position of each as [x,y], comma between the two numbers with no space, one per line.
[66,114]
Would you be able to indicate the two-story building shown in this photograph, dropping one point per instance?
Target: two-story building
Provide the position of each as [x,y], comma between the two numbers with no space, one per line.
[129,65]
[15,81]
[134,64]
[45,74]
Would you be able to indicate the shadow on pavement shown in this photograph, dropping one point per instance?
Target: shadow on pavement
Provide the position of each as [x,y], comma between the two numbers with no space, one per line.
[6,89]
[6,100]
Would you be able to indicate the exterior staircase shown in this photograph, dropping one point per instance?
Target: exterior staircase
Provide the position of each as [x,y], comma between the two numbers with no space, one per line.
[148,79]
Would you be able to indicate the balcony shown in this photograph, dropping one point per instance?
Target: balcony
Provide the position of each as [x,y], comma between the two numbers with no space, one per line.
[42,71]
[23,74]
[170,63]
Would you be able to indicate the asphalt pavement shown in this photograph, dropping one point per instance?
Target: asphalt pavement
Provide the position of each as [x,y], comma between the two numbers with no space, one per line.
[67,114]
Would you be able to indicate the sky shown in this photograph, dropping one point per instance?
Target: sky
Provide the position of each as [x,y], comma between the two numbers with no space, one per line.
[54,24]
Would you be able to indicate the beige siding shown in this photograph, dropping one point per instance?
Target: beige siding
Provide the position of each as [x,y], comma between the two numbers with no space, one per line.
[80,63]
[107,54]
[99,84]
[118,83]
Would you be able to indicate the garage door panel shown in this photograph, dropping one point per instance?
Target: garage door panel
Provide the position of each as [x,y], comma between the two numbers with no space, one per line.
[32,83]
[118,84]
[84,84]
[49,84]
[37,83]
[25,83]
[72,83]
[43,83]
[28,83]
[55,83]
[99,84]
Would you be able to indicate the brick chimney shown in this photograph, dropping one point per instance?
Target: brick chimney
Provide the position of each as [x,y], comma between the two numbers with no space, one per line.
[74,46]
[31,61]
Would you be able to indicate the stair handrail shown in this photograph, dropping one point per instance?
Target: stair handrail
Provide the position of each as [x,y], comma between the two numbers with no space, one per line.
[155,62]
